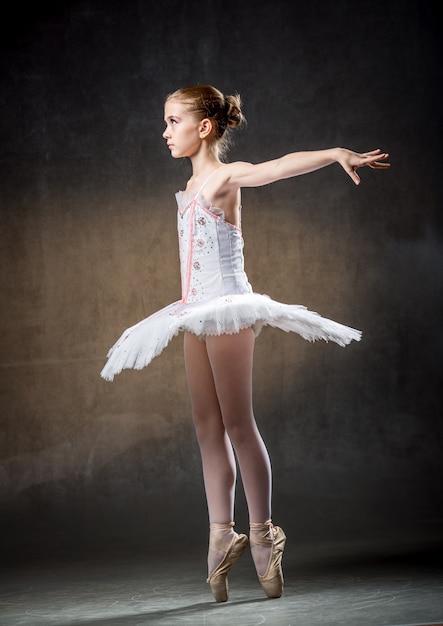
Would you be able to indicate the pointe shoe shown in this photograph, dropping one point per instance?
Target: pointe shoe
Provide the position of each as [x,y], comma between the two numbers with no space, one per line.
[272,580]
[218,580]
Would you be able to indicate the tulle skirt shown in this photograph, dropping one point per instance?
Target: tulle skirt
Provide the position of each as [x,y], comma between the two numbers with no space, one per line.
[139,344]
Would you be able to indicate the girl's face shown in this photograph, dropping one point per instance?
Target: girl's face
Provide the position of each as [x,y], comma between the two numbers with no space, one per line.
[182,132]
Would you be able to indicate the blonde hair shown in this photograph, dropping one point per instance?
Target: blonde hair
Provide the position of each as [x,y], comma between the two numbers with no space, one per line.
[205,101]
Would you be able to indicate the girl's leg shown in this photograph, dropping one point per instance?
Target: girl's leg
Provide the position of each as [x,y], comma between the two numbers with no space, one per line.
[231,359]
[219,469]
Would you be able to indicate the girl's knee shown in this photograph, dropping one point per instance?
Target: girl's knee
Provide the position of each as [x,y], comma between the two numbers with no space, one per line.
[240,431]
[208,426]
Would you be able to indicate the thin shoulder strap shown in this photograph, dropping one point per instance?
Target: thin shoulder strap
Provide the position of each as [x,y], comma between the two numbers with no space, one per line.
[208,178]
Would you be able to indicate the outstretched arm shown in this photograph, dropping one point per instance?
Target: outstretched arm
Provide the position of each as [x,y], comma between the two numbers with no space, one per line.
[297,163]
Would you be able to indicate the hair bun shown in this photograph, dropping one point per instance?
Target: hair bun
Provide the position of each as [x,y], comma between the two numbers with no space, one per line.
[234,114]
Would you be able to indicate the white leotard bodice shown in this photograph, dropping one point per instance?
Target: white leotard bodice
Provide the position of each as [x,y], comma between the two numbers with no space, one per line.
[211,252]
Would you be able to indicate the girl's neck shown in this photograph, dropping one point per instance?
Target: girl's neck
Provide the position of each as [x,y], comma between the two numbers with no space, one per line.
[203,163]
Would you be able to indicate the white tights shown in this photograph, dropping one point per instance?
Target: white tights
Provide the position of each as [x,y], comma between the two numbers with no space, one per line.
[219,375]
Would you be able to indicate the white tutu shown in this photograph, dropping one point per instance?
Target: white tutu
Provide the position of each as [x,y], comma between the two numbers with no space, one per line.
[139,344]
[216,295]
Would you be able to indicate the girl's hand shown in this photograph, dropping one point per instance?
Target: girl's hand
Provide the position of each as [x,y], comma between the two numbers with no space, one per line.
[351,161]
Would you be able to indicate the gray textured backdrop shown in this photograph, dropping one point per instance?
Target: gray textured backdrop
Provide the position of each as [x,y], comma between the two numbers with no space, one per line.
[88,247]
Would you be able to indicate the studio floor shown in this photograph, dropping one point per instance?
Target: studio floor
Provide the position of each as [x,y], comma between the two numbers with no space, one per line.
[325,585]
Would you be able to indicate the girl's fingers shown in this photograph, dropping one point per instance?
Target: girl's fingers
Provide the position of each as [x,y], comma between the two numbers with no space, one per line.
[377,165]
[374,161]
[355,177]
[372,153]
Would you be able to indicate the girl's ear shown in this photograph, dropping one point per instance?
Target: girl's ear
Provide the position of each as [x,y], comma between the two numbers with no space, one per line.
[205,128]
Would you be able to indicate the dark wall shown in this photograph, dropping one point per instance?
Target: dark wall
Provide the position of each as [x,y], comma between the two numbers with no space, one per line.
[88,247]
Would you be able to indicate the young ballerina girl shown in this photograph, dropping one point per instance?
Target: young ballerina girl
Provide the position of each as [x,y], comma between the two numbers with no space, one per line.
[220,316]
